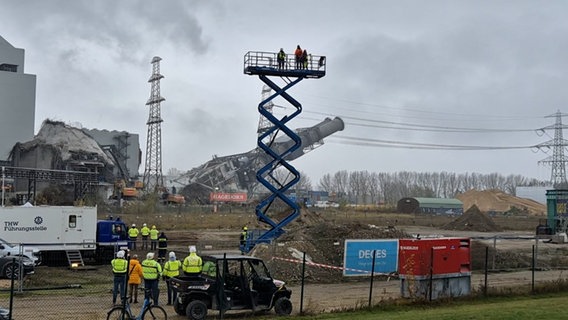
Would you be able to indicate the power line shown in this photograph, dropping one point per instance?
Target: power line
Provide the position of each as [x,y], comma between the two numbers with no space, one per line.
[354,106]
[412,126]
[414,145]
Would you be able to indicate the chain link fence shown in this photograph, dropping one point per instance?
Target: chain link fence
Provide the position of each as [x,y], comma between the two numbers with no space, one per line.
[86,292]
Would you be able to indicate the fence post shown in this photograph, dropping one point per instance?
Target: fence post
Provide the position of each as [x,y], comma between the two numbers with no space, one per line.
[430,289]
[372,276]
[302,286]
[536,250]
[12,288]
[533,267]
[494,250]
[486,270]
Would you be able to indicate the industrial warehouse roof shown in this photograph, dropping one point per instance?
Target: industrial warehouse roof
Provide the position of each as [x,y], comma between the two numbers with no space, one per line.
[439,202]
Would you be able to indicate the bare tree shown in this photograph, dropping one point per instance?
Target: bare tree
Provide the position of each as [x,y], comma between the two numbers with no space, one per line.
[374,188]
[326,183]
[341,180]
[365,187]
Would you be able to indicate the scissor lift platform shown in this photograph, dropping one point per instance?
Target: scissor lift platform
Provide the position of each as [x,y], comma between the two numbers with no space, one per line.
[266,63]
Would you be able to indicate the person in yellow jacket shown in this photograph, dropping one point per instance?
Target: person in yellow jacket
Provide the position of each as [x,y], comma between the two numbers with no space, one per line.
[145,232]
[119,270]
[134,279]
[132,236]
[151,270]
[281,58]
[154,238]
[192,264]
[171,269]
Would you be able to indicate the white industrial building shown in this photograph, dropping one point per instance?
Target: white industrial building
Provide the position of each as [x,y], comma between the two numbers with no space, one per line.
[17,99]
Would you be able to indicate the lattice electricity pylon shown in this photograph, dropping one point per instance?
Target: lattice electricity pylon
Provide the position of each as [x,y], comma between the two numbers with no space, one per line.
[262,64]
[153,177]
[558,160]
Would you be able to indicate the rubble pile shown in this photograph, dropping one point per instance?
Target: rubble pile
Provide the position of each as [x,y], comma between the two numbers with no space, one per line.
[473,220]
[322,242]
[70,143]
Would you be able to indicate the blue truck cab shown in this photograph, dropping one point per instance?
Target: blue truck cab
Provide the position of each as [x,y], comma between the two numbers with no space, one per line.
[111,237]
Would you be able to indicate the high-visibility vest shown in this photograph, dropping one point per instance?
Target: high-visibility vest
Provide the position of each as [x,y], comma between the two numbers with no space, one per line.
[210,269]
[171,268]
[145,231]
[119,266]
[151,269]
[192,263]
[154,234]
[133,232]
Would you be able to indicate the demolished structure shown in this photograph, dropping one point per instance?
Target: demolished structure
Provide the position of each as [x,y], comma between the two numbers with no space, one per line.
[237,173]
[59,148]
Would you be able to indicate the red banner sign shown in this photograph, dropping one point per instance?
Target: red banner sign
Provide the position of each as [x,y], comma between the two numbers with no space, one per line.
[228,197]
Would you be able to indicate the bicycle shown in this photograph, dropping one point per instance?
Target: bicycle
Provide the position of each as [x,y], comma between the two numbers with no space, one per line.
[149,311]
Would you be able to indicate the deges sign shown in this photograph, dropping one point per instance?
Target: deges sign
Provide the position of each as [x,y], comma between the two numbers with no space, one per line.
[358,256]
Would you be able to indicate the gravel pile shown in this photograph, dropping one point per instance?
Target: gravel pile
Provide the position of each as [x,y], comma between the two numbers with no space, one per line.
[473,220]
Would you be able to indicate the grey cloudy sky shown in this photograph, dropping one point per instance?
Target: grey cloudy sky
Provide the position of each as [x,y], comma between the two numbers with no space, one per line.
[413,65]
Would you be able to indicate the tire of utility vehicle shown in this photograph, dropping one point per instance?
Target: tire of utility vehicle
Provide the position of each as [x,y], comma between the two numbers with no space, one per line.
[178,308]
[196,310]
[283,306]
[155,313]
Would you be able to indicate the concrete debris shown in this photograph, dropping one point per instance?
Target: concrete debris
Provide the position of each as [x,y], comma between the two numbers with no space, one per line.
[69,142]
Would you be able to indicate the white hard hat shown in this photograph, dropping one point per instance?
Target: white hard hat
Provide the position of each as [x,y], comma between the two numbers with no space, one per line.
[172,254]
[150,255]
[144,224]
[134,224]
[120,254]
[192,249]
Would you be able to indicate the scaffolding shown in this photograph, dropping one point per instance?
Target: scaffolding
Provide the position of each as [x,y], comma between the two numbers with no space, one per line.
[83,182]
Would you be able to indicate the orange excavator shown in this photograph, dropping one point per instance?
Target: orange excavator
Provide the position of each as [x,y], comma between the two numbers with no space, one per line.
[127,191]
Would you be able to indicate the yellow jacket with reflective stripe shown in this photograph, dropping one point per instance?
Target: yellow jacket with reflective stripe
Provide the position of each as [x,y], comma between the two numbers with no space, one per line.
[145,231]
[119,266]
[171,268]
[192,263]
[154,234]
[151,269]
[133,232]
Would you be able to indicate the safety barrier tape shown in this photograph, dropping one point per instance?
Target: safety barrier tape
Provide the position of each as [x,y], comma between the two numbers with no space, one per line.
[332,267]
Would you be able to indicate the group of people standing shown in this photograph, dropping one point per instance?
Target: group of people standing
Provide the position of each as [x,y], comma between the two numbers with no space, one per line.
[151,271]
[158,240]
[302,58]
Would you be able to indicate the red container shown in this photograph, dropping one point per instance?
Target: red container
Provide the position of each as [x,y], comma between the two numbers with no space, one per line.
[441,256]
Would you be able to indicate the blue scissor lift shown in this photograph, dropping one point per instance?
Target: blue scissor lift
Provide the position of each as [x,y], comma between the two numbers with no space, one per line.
[265,65]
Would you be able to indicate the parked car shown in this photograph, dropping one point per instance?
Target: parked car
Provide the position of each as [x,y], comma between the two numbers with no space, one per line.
[16,264]
[8,249]
[326,204]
